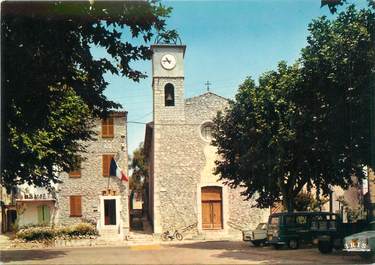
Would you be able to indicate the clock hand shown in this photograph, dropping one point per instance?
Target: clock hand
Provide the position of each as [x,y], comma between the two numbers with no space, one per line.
[167,60]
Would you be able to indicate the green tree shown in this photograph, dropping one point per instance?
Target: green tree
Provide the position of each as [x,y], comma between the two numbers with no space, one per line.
[52,84]
[261,138]
[307,124]
[139,165]
[305,201]
[338,68]
[332,4]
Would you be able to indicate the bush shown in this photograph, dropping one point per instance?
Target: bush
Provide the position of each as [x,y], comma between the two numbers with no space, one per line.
[48,233]
[36,233]
[82,229]
[63,231]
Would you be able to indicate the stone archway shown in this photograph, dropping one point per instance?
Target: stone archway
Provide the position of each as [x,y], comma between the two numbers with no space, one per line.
[212,207]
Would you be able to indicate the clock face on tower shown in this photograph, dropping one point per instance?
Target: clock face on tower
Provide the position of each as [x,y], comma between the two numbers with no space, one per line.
[168,61]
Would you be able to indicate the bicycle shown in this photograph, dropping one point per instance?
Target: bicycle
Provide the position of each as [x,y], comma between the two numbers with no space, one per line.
[167,235]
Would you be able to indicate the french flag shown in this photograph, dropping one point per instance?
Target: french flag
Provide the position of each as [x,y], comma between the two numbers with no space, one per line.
[115,170]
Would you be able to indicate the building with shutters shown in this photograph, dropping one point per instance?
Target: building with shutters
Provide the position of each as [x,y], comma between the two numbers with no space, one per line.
[88,193]
[183,190]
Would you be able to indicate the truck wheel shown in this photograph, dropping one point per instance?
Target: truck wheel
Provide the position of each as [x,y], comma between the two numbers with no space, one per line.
[293,244]
[277,246]
[338,244]
[256,243]
[325,247]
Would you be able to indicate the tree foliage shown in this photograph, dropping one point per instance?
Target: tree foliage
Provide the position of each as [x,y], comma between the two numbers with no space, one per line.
[306,124]
[332,4]
[338,68]
[52,84]
[262,138]
[139,165]
[306,201]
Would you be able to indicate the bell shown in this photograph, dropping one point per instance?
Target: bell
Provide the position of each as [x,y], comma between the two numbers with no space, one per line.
[169,97]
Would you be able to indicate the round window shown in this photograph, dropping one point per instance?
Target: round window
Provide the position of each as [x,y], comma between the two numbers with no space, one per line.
[206,131]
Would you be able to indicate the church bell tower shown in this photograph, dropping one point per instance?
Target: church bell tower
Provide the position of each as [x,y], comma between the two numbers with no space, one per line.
[168,83]
[168,123]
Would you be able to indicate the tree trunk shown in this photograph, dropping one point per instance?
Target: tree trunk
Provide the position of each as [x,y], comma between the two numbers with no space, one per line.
[288,202]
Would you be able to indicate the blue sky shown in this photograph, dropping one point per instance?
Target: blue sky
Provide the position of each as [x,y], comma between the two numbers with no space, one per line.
[226,42]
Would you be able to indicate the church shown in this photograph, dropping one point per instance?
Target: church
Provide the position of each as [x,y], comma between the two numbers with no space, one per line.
[183,190]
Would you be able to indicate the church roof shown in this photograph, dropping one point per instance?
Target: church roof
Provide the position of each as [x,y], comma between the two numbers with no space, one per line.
[204,95]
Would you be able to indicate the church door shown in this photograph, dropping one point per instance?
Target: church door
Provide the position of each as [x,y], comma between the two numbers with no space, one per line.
[212,208]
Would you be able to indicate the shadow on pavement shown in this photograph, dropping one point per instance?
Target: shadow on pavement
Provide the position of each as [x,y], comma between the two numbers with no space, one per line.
[23,255]
[245,252]
[227,245]
[293,257]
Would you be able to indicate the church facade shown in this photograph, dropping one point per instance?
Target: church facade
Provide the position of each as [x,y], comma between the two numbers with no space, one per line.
[183,189]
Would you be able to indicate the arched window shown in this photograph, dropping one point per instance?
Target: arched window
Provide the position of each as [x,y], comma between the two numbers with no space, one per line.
[169,94]
[206,131]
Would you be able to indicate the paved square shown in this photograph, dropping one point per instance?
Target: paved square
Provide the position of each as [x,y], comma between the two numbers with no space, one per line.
[214,252]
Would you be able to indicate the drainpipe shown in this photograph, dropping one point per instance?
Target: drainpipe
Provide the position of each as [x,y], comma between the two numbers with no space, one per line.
[371,175]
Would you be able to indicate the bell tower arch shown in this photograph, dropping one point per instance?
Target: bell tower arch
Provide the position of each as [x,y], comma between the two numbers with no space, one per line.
[168,83]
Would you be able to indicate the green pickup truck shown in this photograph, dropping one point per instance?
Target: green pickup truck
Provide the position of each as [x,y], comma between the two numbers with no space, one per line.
[324,229]
[295,228]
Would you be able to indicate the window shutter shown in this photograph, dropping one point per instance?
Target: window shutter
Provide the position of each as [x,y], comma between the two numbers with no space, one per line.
[107,128]
[104,128]
[110,128]
[106,164]
[75,174]
[47,215]
[75,206]
[40,214]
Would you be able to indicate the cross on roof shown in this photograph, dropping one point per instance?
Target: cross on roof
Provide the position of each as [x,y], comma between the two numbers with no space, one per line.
[208,85]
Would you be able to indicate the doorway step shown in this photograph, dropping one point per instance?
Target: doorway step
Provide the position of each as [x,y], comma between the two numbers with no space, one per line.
[144,235]
[109,234]
[140,237]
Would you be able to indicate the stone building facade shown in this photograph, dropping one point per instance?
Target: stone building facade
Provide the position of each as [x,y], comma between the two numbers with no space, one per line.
[90,194]
[183,189]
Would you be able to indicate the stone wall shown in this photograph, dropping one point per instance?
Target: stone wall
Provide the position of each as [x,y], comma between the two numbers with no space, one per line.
[177,170]
[91,183]
[242,214]
[184,163]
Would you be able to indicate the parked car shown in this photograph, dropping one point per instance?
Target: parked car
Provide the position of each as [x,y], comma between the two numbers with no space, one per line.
[292,229]
[258,236]
[362,243]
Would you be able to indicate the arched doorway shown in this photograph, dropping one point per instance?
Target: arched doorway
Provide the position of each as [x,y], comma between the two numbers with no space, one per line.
[212,208]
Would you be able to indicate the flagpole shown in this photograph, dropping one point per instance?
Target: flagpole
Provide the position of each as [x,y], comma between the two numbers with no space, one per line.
[109,175]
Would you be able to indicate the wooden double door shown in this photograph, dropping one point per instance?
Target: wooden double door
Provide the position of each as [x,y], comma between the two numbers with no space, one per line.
[212,209]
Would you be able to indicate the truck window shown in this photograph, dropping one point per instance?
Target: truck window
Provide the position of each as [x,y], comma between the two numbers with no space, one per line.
[314,225]
[289,220]
[274,222]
